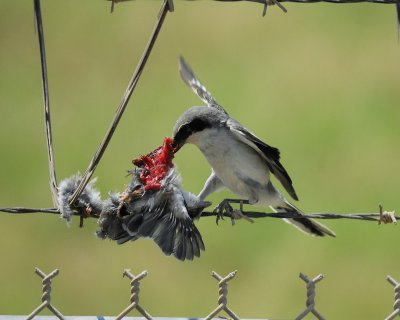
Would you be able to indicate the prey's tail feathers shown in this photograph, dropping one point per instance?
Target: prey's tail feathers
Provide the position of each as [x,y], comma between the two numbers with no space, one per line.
[306,225]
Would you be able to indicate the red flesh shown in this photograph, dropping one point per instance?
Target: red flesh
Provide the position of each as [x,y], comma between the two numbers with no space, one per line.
[156,165]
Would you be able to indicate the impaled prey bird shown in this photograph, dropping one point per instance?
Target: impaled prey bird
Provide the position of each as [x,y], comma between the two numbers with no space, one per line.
[240,161]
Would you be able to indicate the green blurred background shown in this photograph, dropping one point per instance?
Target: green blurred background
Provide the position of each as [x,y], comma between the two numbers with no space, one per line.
[320,82]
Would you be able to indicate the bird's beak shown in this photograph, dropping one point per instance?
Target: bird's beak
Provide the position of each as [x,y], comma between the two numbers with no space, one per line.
[175,147]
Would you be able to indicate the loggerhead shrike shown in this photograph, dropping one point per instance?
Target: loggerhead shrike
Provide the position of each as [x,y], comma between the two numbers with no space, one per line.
[240,161]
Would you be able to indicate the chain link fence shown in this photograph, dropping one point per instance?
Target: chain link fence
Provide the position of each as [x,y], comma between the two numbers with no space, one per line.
[222,301]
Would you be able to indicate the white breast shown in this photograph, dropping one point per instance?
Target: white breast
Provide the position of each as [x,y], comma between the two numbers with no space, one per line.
[240,168]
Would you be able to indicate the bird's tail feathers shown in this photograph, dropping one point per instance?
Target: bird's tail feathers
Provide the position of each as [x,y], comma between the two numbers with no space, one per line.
[191,80]
[306,225]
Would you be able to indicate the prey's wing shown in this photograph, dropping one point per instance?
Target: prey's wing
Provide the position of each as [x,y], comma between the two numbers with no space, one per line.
[190,79]
[168,223]
[270,154]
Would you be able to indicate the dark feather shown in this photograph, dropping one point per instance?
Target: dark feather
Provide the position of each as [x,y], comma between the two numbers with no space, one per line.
[270,154]
[162,215]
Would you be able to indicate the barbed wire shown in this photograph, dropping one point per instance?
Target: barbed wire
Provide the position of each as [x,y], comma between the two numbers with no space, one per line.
[381,217]
[268,3]
[167,6]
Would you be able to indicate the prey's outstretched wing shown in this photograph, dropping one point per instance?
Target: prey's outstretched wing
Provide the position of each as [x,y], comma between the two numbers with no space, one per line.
[190,79]
[270,154]
[164,217]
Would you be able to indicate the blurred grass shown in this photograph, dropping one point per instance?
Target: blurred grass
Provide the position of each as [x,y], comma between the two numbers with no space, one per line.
[321,83]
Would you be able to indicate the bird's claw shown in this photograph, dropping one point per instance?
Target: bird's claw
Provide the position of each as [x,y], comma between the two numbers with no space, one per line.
[224,208]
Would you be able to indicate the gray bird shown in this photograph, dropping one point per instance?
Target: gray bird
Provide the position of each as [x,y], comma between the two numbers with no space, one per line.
[240,161]
[164,215]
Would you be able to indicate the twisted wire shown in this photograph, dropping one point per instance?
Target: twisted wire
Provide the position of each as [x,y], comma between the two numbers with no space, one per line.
[46,283]
[135,290]
[223,292]
[396,304]
[134,297]
[310,301]
[223,296]
[46,296]
[46,291]
[250,214]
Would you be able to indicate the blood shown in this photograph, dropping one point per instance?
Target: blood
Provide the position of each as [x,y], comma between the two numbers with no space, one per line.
[155,165]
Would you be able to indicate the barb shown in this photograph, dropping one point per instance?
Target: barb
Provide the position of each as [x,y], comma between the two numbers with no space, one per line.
[122,106]
[223,296]
[46,298]
[310,302]
[46,102]
[135,284]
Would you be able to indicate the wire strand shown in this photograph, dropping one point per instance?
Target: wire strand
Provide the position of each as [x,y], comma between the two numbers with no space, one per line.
[122,106]
[377,217]
[46,102]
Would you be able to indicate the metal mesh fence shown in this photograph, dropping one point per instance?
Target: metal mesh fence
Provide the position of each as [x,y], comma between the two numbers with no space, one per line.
[222,301]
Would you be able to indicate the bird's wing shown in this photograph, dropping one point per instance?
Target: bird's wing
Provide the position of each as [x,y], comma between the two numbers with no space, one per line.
[270,154]
[191,80]
[168,223]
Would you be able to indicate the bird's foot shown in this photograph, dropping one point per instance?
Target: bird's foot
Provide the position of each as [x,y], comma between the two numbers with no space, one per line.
[225,209]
